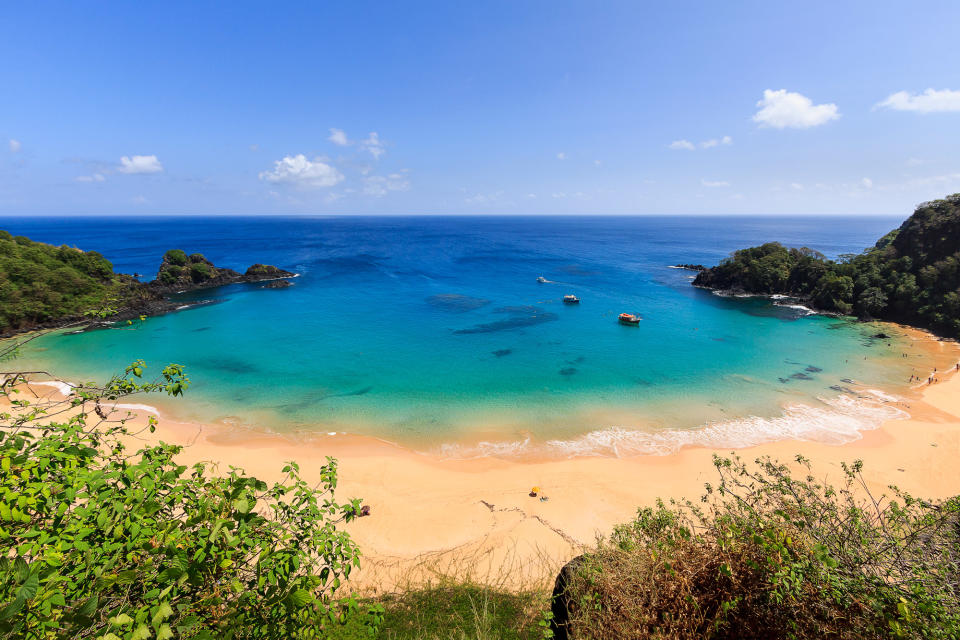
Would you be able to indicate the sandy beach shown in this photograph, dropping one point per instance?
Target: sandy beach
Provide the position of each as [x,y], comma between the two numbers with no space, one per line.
[432,517]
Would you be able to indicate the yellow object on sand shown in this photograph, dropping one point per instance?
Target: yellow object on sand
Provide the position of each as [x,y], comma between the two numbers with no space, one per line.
[535,490]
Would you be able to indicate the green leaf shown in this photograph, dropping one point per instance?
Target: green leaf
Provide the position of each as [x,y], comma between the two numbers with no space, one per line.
[242,505]
[121,620]
[164,611]
[300,598]
[29,587]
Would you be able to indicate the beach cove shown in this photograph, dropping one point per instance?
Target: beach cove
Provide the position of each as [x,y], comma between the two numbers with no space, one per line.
[433,516]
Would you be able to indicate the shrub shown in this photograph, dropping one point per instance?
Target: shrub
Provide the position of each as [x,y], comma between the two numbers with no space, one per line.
[101,541]
[199,271]
[169,274]
[197,257]
[176,256]
[771,556]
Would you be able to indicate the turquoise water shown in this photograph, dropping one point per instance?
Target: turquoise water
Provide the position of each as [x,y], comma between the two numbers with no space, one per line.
[436,334]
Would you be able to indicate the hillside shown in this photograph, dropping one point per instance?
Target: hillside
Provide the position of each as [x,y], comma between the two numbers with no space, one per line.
[911,275]
[46,286]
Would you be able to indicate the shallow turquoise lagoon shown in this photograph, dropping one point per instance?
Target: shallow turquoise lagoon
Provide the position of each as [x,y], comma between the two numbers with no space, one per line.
[435,333]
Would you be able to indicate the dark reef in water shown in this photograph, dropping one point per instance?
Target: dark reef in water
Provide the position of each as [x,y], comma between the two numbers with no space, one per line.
[523,316]
[456,302]
[502,352]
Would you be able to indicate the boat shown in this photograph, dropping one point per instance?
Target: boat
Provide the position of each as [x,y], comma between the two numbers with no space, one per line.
[629,318]
[571,299]
[541,279]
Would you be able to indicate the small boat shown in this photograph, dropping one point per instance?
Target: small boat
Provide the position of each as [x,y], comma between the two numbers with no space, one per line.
[541,279]
[571,299]
[629,318]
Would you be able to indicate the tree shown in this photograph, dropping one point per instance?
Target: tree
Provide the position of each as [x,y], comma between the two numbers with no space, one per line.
[100,541]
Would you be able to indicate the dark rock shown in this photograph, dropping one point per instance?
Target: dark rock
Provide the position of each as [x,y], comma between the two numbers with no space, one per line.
[690,267]
[881,335]
[259,271]
[562,605]
[277,284]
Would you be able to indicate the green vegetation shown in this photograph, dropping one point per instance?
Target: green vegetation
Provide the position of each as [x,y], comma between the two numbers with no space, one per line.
[40,283]
[456,611]
[912,275]
[100,541]
[771,556]
[199,271]
[176,257]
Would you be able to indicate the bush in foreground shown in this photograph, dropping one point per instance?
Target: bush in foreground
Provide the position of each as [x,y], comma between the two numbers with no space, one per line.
[770,556]
[99,541]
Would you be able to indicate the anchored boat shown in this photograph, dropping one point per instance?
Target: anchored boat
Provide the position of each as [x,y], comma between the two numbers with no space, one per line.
[571,299]
[629,318]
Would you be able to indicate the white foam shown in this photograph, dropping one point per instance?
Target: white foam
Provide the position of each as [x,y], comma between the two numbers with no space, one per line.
[65,388]
[799,307]
[137,407]
[840,420]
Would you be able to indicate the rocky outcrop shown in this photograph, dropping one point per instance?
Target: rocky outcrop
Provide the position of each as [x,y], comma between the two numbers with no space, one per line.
[561,602]
[277,284]
[180,272]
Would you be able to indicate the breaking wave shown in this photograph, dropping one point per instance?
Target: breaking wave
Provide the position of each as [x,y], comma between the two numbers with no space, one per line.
[840,420]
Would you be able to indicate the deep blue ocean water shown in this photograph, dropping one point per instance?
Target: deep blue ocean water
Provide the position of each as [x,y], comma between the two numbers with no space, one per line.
[435,333]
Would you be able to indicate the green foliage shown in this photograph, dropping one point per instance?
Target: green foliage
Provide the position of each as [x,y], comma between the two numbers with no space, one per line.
[40,282]
[176,256]
[104,542]
[775,556]
[169,274]
[454,611]
[199,271]
[911,275]
[197,257]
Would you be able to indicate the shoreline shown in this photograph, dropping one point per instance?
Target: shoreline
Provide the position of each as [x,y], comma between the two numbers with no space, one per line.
[473,517]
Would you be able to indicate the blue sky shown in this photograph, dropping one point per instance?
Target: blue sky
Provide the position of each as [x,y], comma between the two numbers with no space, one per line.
[490,107]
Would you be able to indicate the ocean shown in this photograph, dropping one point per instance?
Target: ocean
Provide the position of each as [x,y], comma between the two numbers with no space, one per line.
[434,332]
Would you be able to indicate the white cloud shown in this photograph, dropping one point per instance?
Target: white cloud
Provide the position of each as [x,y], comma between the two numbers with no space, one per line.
[929,101]
[867,183]
[97,177]
[715,183]
[15,146]
[714,142]
[559,194]
[682,144]
[781,109]
[300,172]
[531,195]
[374,145]
[254,147]
[378,186]
[796,186]
[561,156]
[485,198]
[338,137]
[914,162]
[597,163]
[139,164]
[139,200]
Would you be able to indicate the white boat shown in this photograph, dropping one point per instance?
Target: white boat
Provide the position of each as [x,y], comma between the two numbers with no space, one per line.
[541,279]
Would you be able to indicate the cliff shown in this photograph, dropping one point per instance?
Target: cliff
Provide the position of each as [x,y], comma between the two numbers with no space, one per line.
[911,275]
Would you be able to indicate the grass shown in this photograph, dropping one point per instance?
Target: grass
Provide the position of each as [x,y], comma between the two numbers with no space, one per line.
[457,611]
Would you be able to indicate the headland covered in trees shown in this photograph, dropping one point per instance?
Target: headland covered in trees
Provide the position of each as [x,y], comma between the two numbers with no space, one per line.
[911,275]
[43,286]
